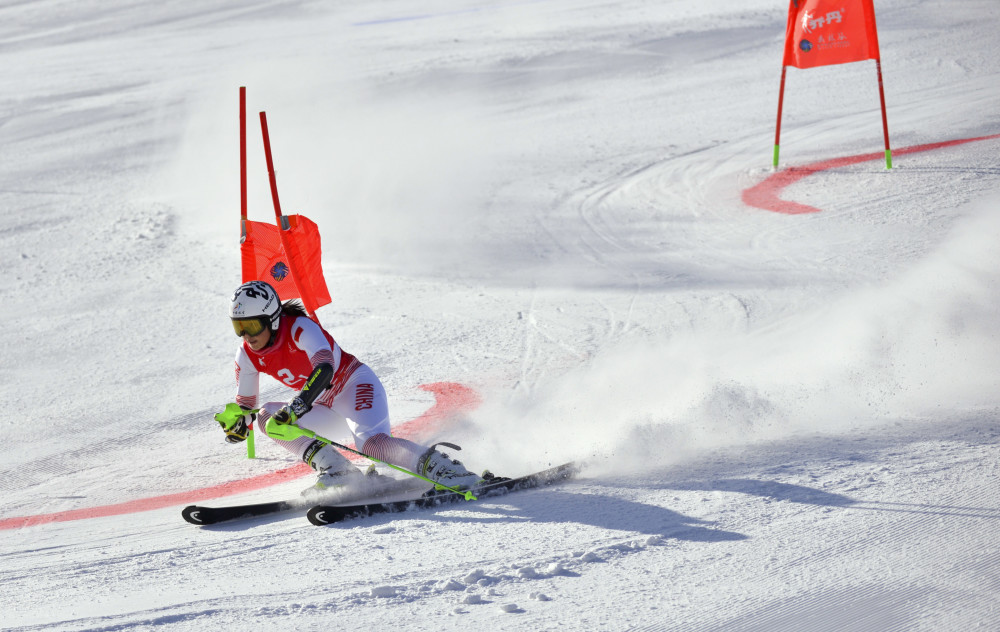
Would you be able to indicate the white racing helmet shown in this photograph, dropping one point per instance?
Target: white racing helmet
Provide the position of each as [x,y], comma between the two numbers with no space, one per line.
[255,306]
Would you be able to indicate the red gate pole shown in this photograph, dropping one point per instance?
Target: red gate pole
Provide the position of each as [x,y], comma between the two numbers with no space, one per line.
[885,119]
[284,226]
[243,161]
[270,172]
[777,130]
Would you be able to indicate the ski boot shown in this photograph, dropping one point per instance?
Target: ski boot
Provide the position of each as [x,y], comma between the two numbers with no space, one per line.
[334,471]
[447,472]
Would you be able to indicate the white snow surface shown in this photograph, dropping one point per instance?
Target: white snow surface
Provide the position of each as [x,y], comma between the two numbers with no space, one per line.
[789,422]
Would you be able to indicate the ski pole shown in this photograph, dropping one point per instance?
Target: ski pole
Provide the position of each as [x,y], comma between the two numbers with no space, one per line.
[290,431]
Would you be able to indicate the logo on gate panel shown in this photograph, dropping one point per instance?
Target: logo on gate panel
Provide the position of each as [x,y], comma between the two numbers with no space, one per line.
[364,397]
[279,271]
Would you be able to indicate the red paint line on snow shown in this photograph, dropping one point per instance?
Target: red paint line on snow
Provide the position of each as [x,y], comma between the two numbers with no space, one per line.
[766,195]
[450,399]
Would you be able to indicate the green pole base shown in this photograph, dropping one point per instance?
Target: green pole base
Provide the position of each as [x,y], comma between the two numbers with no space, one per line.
[251,448]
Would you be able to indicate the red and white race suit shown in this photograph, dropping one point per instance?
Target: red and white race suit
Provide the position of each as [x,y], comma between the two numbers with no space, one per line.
[355,396]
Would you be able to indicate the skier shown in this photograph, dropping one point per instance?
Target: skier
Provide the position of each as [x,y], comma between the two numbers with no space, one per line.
[283,342]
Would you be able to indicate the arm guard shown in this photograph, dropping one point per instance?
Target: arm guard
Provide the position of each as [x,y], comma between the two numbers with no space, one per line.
[318,382]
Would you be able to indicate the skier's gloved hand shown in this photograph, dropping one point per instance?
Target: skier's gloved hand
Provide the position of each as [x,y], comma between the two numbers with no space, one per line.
[239,430]
[290,412]
[235,421]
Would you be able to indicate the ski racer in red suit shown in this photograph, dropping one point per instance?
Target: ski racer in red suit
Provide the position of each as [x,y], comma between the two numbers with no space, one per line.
[283,342]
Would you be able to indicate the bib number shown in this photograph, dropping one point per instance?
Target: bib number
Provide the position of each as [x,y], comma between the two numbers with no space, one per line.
[290,378]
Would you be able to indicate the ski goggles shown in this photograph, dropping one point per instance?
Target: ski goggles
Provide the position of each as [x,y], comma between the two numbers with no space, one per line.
[249,326]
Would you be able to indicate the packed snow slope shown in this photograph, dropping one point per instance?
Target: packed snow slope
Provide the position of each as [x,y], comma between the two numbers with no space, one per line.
[789,422]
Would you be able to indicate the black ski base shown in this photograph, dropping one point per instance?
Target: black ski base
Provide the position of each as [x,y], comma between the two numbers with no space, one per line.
[377,486]
[328,514]
[196,514]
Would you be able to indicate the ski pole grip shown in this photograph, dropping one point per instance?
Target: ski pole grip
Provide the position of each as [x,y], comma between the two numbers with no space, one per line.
[232,414]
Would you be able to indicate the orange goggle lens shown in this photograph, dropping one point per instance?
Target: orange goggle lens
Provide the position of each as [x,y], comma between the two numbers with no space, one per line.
[248,326]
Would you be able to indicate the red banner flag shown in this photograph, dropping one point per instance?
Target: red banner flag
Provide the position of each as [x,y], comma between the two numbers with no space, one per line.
[289,260]
[827,32]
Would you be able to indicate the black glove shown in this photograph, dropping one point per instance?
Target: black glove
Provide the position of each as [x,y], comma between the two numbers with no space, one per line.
[236,430]
[290,412]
